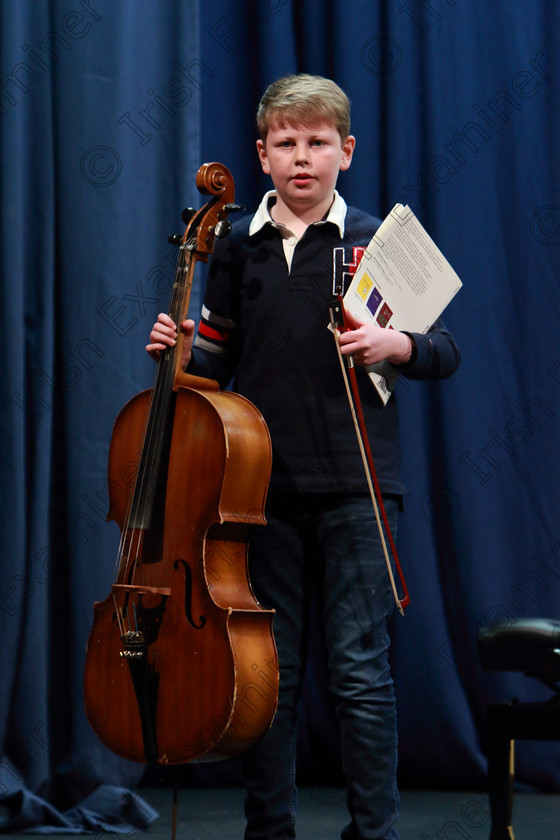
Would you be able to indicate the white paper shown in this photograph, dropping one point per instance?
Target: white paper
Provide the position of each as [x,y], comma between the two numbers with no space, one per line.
[403,282]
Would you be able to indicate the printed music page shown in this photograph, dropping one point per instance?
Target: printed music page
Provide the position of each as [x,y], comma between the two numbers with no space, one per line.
[403,282]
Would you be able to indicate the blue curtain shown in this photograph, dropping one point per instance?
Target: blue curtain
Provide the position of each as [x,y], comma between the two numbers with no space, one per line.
[100,116]
[107,111]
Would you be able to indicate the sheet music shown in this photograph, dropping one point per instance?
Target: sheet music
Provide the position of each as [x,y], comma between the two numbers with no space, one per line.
[403,282]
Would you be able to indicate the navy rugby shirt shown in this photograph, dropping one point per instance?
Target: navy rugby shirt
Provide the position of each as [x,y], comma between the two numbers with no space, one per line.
[265,326]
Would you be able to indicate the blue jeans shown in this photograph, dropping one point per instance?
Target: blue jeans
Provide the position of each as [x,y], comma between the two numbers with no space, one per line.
[331,543]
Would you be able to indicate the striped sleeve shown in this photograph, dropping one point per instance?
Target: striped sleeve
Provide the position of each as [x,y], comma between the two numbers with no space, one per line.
[218,334]
[214,332]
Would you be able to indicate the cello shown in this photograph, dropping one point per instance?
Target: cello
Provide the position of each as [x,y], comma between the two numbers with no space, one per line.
[181,664]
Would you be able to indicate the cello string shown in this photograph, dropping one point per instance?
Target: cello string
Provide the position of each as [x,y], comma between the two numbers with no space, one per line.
[126,554]
[139,501]
[165,378]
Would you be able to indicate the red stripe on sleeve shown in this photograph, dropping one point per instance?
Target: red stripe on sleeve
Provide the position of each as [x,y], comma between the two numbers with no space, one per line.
[209,332]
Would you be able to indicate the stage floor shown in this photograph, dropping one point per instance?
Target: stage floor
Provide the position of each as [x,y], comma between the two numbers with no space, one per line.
[217,814]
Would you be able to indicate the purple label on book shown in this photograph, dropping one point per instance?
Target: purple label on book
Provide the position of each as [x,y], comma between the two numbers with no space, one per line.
[373,301]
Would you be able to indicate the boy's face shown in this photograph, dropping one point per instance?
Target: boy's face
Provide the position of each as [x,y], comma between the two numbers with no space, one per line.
[304,162]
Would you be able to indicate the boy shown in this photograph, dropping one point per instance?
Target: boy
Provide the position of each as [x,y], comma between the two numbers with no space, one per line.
[264,324]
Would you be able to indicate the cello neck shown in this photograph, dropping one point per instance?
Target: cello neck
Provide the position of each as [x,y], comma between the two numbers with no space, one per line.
[196,244]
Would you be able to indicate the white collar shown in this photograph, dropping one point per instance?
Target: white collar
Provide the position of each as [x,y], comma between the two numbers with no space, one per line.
[336,214]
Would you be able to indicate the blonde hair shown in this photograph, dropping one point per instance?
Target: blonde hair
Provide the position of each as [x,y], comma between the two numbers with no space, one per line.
[304,100]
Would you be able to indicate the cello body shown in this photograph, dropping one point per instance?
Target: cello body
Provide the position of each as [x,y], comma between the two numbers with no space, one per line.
[181,664]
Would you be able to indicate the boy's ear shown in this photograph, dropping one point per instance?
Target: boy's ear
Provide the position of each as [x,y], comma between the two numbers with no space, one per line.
[263,157]
[347,151]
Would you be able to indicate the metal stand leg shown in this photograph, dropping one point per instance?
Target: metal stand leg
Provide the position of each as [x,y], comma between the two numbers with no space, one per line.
[501,749]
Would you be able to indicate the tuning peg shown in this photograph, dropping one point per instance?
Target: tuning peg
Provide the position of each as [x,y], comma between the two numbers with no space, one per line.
[233,208]
[175,239]
[222,228]
[187,214]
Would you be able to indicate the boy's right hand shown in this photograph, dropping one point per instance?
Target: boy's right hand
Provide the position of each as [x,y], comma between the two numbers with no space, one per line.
[164,334]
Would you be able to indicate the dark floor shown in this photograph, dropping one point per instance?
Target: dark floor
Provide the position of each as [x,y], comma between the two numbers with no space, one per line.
[217,814]
[212,814]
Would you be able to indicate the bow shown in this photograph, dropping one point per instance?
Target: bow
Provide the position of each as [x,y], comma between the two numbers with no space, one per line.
[338,325]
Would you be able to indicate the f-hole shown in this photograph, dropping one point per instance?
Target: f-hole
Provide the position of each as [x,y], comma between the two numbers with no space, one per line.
[188,595]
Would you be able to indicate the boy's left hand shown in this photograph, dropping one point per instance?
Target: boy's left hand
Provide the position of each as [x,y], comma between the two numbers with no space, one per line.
[370,343]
